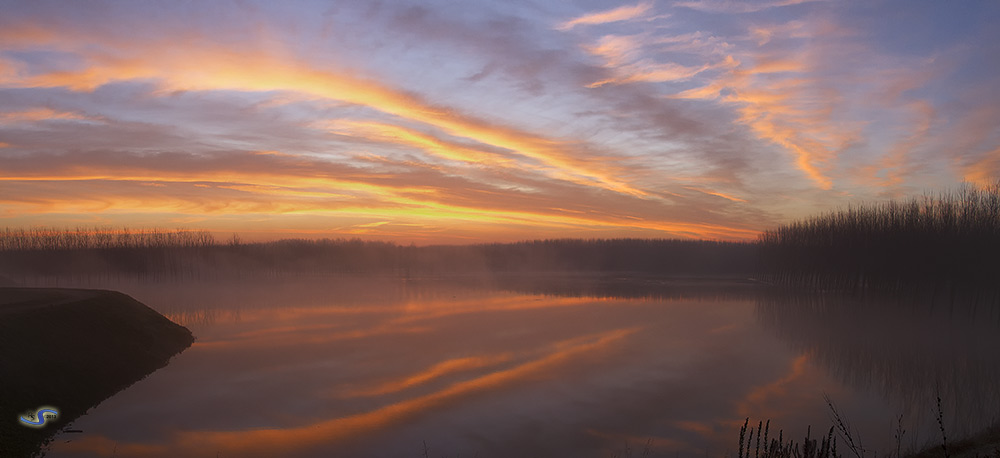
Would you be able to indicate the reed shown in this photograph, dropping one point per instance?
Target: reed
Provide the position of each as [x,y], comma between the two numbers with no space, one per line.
[952,239]
[770,447]
[143,253]
[940,421]
[844,430]
[50,239]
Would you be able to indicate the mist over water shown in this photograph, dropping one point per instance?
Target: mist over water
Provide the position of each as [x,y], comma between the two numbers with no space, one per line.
[580,366]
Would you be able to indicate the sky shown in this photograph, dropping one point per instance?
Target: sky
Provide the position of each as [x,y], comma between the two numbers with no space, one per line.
[465,122]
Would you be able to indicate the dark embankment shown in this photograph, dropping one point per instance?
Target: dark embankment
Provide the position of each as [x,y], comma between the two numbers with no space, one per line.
[72,349]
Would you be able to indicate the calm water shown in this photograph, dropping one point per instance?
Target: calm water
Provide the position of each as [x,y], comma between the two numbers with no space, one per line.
[363,367]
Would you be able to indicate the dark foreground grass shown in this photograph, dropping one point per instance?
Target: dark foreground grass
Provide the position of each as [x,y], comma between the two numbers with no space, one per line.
[985,444]
[778,447]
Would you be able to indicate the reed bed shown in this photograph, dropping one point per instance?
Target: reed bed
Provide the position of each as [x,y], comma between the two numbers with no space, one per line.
[152,253]
[48,239]
[951,239]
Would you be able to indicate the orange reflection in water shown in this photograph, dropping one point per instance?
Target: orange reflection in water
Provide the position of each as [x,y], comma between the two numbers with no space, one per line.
[398,319]
[292,338]
[758,402]
[438,370]
[283,441]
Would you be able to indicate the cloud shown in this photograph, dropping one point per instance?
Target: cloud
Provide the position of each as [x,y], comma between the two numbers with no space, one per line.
[622,54]
[42,114]
[623,110]
[793,29]
[622,13]
[717,194]
[698,126]
[898,163]
[255,182]
[984,170]
[207,68]
[792,93]
[738,6]
[394,134]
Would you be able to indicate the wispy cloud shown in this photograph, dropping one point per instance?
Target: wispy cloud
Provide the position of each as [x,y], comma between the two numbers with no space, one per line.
[483,120]
[623,56]
[738,6]
[782,92]
[622,13]
[238,183]
[43,114]
[984,169]
[223,69]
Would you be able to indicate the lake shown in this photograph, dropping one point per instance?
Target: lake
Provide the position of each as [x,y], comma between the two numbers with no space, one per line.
[561,367]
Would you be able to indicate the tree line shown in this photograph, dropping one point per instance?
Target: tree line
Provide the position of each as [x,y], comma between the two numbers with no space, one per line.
[117,252]
[951,239]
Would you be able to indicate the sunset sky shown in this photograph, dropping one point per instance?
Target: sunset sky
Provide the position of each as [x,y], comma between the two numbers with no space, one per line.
[472,121]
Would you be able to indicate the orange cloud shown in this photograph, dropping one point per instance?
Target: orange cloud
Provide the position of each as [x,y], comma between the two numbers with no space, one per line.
[985,170]
[501,177]
[25,35]
[204,68]
[738,6]
[41,114]
[622,13]
[650,73]
[621,55]
[891,170]
[717,194]
[277,184]
[389,133]
[788,110]
[791,29]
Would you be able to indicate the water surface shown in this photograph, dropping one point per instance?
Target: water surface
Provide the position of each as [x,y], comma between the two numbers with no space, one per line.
[382,367]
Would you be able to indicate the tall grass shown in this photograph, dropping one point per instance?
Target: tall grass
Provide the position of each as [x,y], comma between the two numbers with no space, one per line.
[47,239]
[90,252]
[45,252]
[778,447]
[101,251]
[953,238]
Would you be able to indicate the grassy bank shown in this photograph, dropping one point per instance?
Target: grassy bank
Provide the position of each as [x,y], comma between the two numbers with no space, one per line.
[71,349]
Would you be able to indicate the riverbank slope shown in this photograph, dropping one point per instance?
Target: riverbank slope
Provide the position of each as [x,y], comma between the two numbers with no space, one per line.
[71,349]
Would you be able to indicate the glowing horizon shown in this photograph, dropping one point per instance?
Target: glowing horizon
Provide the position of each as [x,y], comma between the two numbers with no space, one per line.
[486,122]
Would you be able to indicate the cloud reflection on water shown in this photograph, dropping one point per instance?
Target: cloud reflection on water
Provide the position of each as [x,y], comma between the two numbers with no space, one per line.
[361,367]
